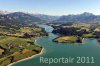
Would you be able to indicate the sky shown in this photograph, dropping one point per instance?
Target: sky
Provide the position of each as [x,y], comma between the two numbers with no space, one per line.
[52,7]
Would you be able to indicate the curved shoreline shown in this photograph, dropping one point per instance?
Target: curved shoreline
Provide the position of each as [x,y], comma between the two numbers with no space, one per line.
[42,51]
[33,56]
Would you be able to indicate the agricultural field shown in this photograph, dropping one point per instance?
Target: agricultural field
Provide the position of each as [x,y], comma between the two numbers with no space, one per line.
[19,44]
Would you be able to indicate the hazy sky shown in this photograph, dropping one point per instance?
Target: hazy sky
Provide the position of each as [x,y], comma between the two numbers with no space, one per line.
[52,7]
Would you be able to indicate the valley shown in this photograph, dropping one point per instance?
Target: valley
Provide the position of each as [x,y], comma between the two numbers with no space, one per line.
[19,32]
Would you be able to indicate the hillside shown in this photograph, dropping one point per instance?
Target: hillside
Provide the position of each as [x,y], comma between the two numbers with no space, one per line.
[84,17]
[17,19]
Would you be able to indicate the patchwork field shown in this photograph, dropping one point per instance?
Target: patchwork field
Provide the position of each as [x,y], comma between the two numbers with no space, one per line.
[20,44]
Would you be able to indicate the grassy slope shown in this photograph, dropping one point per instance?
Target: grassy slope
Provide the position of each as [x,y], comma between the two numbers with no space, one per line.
[16,48]
[68,39]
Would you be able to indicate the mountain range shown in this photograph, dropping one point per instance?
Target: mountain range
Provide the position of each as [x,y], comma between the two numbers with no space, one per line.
[84,17]
[26,18]
[47,18]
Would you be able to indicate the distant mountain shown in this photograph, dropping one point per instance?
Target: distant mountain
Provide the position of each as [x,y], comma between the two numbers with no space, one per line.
[47,18]
[85,17]
[24,17]
[3,12]
[17,19]
[14,19]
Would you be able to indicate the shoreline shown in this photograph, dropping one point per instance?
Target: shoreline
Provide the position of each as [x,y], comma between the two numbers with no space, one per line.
[33,56]
[42,51]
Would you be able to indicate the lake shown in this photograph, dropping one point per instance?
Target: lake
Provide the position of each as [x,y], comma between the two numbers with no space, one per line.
[88,49]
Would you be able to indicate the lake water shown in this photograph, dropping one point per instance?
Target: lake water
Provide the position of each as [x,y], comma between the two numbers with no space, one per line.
[89,48]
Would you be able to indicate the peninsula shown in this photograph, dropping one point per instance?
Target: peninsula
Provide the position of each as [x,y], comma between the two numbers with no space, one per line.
[75,32]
